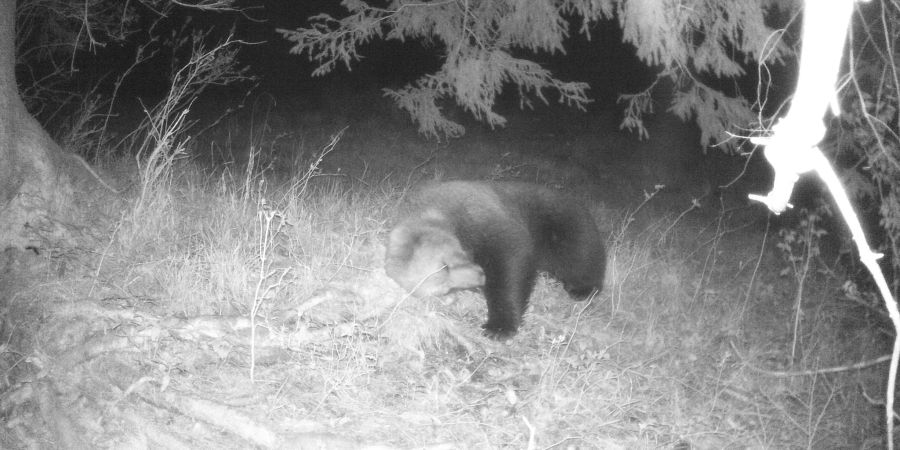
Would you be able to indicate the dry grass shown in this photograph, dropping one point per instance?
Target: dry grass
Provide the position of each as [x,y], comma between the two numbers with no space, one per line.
[672,354]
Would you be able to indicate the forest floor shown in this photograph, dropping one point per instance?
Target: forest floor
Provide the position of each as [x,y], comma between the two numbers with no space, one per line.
[242,303]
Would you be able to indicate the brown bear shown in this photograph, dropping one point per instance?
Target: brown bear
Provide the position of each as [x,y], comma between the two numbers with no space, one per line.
[495,235]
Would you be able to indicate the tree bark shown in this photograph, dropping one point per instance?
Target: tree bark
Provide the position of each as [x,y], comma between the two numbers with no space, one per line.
[38,180]
[9,183]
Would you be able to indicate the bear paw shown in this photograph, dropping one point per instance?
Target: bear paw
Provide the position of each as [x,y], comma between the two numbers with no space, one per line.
[499,332]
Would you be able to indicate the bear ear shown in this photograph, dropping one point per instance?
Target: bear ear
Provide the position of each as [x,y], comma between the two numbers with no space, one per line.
[401,243]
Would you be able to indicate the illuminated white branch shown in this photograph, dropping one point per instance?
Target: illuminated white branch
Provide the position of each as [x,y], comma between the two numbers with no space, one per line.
[792,149]
[789,149]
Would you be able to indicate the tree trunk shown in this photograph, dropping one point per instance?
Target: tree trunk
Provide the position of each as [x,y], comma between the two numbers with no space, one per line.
[38,202]
[9,181]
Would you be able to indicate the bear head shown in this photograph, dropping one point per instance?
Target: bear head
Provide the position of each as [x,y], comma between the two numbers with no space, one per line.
[426,259]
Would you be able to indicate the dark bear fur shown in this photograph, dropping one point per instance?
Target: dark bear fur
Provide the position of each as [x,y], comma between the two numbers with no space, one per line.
[468,234]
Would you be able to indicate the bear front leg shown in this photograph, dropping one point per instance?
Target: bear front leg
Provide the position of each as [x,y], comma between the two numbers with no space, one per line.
[507,287]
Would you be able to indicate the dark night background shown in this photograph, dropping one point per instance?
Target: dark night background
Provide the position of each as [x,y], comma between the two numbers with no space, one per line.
[591,142]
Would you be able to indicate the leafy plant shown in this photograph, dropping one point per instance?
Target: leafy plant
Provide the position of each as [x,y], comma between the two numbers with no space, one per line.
[800,248]
[871,141]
